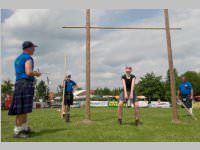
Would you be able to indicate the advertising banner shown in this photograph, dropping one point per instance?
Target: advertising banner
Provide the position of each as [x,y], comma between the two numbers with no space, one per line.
[196,105]
[99,103]
[155,104]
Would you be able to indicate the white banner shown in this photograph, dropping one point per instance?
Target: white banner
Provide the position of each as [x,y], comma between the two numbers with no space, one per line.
[155,104]
[99,104]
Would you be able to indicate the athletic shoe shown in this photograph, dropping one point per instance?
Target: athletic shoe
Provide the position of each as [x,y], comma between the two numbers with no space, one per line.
[138,122]
[29,131]
[21,134]
[120,121]
[63,115]
[67,118]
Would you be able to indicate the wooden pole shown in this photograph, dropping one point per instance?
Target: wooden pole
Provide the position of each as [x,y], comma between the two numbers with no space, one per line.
[171,68]
[191,114]
[87,104]
[65,73]
[125,28]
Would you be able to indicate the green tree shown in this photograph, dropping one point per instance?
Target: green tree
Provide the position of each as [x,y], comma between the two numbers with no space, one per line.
[6,88]
[167,84]
[41,88]
[151,86]
[194,78]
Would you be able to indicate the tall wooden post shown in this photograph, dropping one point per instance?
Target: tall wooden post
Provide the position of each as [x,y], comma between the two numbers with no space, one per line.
[63,109]
[171,68]
[87,104]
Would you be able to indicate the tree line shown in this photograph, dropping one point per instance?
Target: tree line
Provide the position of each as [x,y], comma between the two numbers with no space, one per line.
[150,85]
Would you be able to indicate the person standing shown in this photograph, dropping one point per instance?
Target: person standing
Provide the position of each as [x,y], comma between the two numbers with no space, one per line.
[185,93]
[70,88]
[128,92]
[22,102]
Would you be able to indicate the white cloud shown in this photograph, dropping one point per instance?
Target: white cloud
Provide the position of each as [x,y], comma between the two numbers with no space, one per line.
[145,50]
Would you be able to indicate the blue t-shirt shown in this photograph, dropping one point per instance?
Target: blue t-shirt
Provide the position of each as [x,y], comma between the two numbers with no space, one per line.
[20,66]
[69,85]
[185,88]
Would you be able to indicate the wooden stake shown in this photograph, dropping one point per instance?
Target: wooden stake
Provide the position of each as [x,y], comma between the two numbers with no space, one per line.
[65,73]
[192,115]
[87,104]
[171,67]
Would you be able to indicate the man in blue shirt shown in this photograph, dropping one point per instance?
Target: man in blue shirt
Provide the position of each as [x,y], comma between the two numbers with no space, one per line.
[22,102]
[70,87]
[185,93]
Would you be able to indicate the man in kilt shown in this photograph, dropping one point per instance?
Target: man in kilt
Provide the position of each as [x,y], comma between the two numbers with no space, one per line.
[70,87]
[185,93]
[22,102]
[128,92]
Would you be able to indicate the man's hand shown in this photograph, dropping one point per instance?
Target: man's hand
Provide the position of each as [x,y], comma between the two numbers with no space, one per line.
[126,96]
[37,74]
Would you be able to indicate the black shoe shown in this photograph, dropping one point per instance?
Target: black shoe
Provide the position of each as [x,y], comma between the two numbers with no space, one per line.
[63,115]
[67,118]
[29,131]
[120,121]
[21,134]
[138,122]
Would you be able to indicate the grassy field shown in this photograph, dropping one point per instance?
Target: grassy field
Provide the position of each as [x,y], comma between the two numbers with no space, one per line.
[157,126]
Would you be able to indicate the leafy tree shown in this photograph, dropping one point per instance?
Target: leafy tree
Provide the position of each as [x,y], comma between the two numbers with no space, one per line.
[151,86]
[6,88]
[41,88]
[194,78]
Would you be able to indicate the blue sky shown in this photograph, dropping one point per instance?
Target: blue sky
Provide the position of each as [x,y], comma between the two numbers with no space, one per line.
[119,17]
[124,17]
[5,13]
[111,50]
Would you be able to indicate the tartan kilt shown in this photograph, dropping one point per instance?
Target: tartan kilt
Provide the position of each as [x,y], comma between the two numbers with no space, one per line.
[186,101]
[22,102]
[68,98]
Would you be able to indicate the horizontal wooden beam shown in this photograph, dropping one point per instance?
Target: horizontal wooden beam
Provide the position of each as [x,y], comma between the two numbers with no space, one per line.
[126,28]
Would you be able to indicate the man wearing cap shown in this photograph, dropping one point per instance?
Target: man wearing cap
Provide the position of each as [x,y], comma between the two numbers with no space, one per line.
[185,93]
[22,102]
[128,92]
[70,88]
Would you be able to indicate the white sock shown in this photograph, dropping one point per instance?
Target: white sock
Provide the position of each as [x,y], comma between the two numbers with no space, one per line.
[190,110]
[17,129]
[25,126]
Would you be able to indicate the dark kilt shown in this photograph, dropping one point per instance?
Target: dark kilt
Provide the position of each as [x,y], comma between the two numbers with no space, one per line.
[22,102]
[68,99]
[187,101]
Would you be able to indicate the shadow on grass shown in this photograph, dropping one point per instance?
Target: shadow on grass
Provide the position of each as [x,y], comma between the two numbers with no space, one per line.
[47,131]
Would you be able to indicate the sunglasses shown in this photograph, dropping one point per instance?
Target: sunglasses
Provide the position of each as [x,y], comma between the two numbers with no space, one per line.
[129,68]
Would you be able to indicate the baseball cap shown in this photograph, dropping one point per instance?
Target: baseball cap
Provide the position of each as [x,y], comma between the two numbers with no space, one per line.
[28,44]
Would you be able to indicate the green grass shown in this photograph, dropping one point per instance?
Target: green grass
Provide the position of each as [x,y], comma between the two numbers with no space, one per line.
[157,126]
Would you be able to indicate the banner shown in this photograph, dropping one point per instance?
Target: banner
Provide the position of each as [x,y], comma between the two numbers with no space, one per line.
[76,104]
[196,105]
[99,103]
[114,104]
[155,104]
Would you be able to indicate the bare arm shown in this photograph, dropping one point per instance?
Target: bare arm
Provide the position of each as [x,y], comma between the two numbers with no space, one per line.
[124,87]
[132,86]
[29,71]
[75,88]
[63,84]
[178,94]
[192,93]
